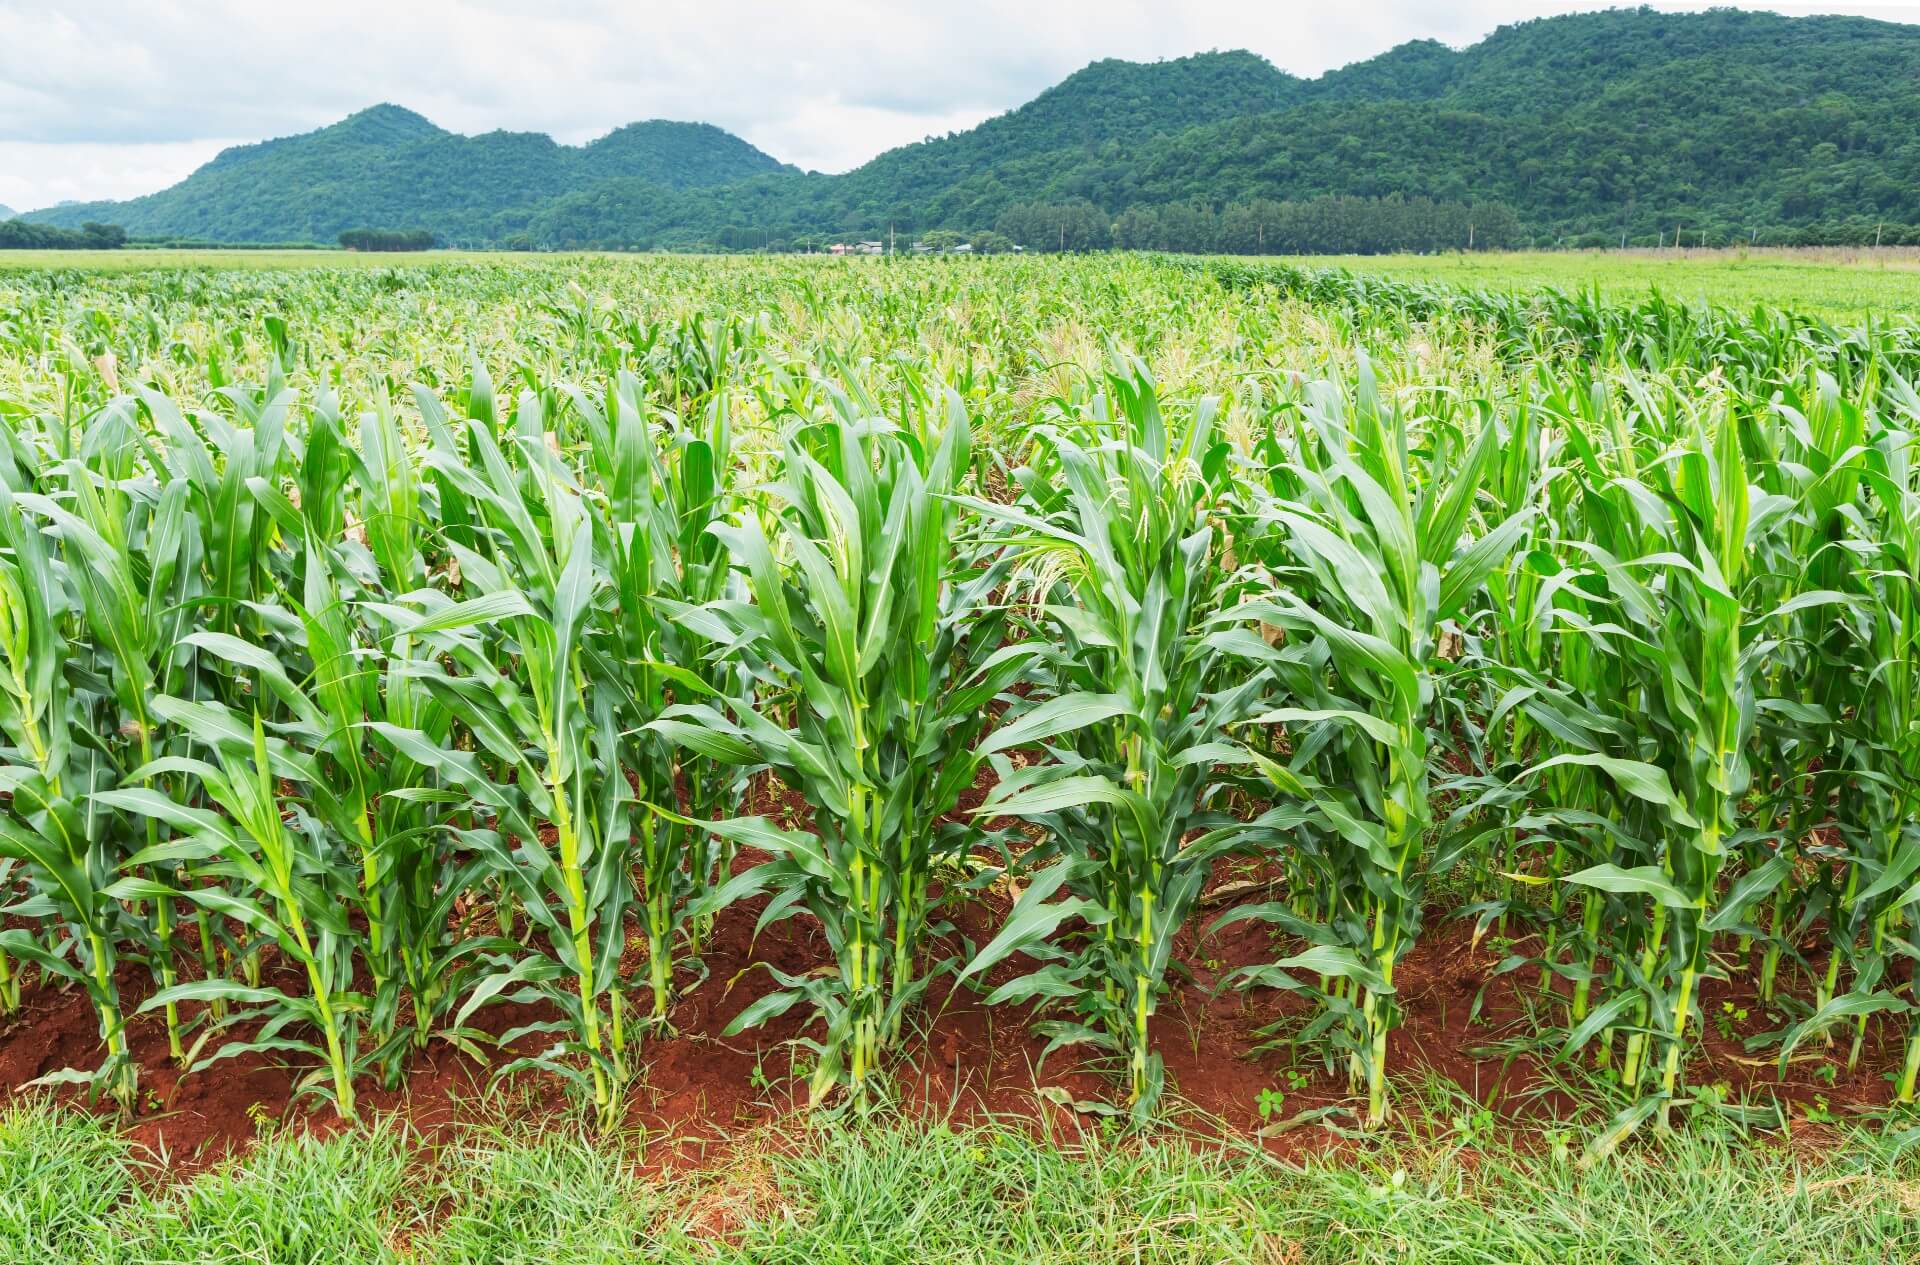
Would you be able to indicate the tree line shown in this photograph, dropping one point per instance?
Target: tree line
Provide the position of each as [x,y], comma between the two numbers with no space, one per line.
[21,235]
[390,239]
[1331,225]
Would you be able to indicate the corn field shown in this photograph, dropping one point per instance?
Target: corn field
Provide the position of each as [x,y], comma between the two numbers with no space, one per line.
[382,646]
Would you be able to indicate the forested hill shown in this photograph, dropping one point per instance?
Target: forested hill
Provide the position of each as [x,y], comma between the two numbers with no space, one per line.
[387,167]
[6,212]
[1628,120]
[1625,124]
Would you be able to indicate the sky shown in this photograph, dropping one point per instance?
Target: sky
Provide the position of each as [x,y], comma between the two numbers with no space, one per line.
[114,98]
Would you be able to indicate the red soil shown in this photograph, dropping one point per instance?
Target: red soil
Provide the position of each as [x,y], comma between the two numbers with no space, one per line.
[697,1089]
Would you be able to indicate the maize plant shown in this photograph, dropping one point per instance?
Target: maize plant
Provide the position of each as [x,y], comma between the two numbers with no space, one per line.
[127,568]
[887,644]
[1141,673]
[546,765]
[1375,556]
[1883,753]
[68,855]
[1813,455]
[294,884]
[1692,642]
[664,562]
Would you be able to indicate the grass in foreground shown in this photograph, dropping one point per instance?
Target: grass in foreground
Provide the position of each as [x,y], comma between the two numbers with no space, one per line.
[896,1192]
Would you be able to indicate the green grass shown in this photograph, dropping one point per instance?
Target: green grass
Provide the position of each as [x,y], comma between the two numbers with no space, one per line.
[556,1198]
[1841,284]
[896,1192]
[61,1176]
[291,1200]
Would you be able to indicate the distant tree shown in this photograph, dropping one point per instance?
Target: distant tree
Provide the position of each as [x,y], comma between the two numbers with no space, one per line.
[1187,226]
[27,235]
[1251,227]
[1138,228]
[1085,226]
[103,236]
[1069,226]
[387,239]
[990,242]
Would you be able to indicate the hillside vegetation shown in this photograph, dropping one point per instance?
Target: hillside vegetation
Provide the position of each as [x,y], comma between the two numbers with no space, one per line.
[392,168]
[1626,126]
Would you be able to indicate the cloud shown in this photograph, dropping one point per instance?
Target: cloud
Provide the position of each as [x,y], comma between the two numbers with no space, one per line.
[114,97]
[36,175]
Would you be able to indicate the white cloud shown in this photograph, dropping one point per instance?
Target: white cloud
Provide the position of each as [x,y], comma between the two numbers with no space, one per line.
[34,174]
[114,97]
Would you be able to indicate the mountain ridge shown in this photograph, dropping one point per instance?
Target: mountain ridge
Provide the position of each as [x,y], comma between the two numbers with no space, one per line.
[366,171]
[1593,127]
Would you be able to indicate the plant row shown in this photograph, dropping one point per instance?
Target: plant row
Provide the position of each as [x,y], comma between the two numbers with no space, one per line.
[343,729]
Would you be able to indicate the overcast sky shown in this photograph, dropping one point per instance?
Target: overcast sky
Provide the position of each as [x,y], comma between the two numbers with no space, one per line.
[112,98]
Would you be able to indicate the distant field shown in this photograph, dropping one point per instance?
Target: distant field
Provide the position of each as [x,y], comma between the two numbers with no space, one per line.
[1839,283]
[130,260]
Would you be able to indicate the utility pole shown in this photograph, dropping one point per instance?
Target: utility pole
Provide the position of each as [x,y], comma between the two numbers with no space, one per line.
[892,246]
[1876,235]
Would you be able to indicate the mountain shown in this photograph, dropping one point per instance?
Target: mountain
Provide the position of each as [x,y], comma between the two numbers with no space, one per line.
[387,167]
[6,212]
[1589,124]
[1107,104]
[1593,126]
[1586,128]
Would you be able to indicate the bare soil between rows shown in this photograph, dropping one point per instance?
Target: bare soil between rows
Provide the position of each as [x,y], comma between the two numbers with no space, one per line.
[696,1090]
